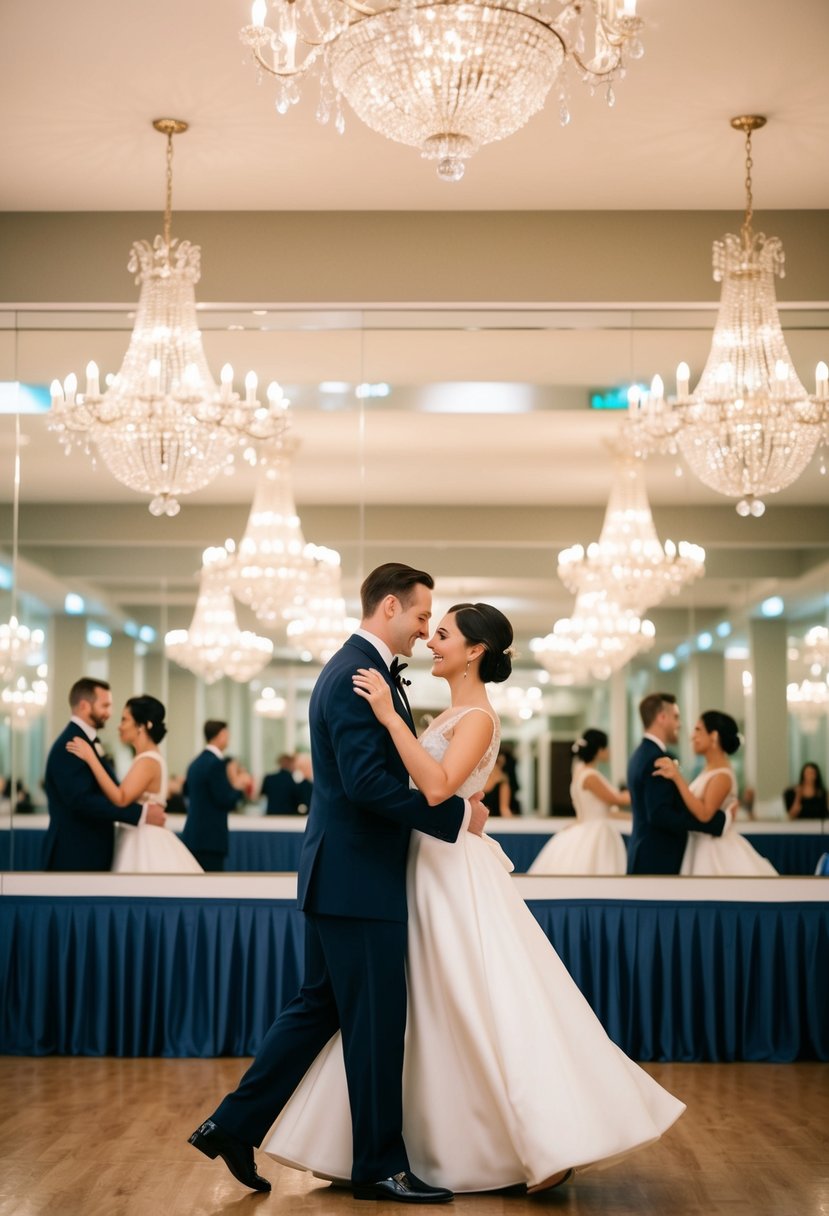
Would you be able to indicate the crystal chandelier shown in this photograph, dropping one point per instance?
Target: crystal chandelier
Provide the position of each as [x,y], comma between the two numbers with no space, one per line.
[446,77]
[22,701]
[809,701]
[269,704]
[628,561]
[163,426]
[515,702]
[214,645]
[320,626]
[19,645]
[271,569]
[816,649]
[598,639]
[749,428]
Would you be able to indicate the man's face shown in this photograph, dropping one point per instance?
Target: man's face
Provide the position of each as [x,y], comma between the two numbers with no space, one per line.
[411,621]
[99,709]
[222,739]
[669,716]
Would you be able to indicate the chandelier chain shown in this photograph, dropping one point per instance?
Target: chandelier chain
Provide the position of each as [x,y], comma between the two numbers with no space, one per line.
[168,204]
[746,229]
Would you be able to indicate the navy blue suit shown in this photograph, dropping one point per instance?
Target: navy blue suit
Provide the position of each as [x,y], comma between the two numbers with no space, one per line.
[661,820]
[352,888]
[282,793]
[209,798]
[81,834]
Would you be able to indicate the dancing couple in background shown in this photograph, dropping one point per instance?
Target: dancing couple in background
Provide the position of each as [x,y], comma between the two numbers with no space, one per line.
[495,1023]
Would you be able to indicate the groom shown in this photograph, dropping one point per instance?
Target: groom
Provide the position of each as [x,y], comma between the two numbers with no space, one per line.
[352,889]
[661,821]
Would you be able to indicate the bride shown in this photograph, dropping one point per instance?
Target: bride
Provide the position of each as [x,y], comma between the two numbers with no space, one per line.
[145,848]
[509,1077]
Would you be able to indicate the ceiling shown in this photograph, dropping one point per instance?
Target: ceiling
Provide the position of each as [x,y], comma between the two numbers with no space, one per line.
[483,461]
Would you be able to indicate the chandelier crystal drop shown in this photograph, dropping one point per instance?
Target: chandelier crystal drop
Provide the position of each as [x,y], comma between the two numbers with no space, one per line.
[599,638]
[163,427]
[214,645]
[319,627]
[446,77]
[271,569]
[628,561]
[749,428]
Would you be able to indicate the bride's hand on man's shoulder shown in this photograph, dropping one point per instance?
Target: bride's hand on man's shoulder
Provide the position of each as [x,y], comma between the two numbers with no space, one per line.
[81,748]
[371,686]
[666,767]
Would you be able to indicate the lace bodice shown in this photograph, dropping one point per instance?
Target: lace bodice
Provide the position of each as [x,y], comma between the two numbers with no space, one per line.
[435,739]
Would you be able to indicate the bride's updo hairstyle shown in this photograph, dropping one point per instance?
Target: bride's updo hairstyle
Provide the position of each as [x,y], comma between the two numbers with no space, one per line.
[148,712]
[726,728]
[483,625]
[587,746]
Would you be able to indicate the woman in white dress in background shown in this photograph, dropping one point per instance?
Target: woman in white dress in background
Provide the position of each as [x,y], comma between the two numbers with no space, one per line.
[509,1077]
[143,849]
[715,737]
[592,845]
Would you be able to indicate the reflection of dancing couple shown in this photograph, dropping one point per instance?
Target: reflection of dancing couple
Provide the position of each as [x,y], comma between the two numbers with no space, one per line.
[507,1076]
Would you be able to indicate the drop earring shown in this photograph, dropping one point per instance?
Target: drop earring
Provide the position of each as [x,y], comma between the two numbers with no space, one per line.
[466,673]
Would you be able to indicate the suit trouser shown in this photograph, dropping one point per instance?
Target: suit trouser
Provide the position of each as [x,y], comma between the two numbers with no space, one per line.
[354,981]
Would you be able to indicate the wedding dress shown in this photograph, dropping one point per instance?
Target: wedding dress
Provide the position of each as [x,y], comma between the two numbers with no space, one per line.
[147,849]
[593,845]
[509,1076]
[729,855]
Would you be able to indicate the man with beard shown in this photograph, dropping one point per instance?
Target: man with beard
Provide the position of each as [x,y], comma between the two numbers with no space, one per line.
[82,820]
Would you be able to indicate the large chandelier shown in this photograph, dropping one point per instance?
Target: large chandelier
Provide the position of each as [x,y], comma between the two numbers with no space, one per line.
[808,701]
[749,428]
[214,645]
[19,645]
[816,649]
[271,568]
[599,638]
[320,625]
[444,76]
[22,701]
[163,426]
[628,561]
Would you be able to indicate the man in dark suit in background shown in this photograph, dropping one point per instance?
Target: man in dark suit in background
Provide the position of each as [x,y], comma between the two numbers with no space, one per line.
[82,820]
[661,821]
[210,796]
[352,888]
[280,789]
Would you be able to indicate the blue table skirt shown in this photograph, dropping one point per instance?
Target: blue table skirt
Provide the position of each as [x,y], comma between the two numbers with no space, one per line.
[278,852]
[187,977]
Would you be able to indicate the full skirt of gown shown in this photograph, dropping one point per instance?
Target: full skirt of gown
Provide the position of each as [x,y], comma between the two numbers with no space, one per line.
[148,849]
[509,1076]
[726,856]
[592,847]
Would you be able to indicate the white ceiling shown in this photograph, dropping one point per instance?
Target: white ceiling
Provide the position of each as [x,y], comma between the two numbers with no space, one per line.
[80,82]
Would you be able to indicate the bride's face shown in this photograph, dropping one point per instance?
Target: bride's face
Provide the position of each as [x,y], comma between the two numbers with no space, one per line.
[450,649]
[127,729]
[701,740]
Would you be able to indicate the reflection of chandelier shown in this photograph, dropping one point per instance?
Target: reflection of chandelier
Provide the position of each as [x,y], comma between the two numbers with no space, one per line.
[443,77]
[598,639]
[809,700]
[320,625]
[214,645]
[18,646]
[270,569]
[22,702]
[515,702]
[749,428]
[628,561]
[816,649]
[163,426]
[269,704]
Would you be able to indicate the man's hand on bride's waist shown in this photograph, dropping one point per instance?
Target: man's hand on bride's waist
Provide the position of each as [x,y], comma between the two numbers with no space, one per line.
[479,814]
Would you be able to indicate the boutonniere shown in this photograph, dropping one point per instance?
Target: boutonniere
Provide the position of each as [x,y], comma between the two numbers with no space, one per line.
[99,748]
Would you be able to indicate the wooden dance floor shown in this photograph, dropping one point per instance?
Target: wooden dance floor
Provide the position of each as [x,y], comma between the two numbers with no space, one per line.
[107,1137]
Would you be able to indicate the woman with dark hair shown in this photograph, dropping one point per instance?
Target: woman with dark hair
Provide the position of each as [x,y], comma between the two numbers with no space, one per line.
[807,799]
[496,1026]
[145,848]
[593,845]
[715,737]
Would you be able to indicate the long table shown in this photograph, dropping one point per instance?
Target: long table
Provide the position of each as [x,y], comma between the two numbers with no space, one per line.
[271,844]
[199,965]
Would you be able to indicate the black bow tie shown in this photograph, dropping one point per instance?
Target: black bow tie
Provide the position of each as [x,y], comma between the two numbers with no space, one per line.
[395,670]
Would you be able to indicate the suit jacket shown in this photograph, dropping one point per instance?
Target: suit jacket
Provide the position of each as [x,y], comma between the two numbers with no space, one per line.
[353,858]
[209,798]
[81,833]
[661,820]
[282,793]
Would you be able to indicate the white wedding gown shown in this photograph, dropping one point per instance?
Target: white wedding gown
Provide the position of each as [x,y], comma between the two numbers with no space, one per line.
[593,845]
[509,1076]
[147,849]
[726,856]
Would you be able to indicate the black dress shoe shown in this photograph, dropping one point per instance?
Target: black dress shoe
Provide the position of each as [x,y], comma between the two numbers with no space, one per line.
[402,1188]
[237,1156]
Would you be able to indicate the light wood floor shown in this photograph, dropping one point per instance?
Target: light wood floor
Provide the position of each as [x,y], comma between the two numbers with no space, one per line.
[84,1137]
